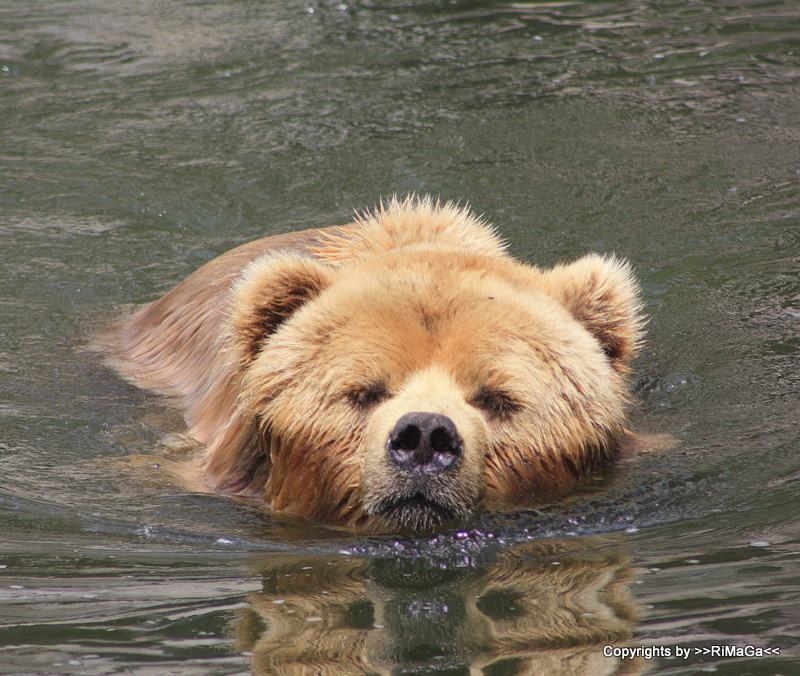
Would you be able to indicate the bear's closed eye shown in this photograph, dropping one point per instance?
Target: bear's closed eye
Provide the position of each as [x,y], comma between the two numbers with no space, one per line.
[368,395]
[496,403]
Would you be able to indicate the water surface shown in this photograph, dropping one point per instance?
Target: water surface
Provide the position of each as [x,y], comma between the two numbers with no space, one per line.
[140,140]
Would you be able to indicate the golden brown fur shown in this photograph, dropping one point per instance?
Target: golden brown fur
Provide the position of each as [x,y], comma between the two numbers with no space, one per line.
[297,356]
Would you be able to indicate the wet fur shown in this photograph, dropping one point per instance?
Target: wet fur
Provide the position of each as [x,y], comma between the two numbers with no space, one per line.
[270,348]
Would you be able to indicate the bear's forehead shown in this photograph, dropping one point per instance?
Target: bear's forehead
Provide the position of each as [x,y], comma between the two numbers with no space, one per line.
[439,293]
[470,319]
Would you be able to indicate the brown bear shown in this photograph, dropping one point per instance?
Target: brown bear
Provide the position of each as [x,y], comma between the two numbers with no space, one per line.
[393,373]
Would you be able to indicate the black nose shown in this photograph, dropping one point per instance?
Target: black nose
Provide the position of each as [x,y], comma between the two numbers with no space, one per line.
[425,442]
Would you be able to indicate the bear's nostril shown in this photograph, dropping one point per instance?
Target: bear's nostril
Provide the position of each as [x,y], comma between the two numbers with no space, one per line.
[424,442]
[442,441]
[408,438]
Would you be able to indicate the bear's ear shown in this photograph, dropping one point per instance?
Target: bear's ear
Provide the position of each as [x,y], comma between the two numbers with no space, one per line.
[269,291]
[603,295]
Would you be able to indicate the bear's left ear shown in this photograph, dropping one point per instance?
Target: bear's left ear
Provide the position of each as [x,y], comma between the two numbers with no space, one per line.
[269,291]
[603,295]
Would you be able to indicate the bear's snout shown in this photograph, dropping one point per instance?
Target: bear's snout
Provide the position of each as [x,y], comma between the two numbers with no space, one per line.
[425,443]
[424,455]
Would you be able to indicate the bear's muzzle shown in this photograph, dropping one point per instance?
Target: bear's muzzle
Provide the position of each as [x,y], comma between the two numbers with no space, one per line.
[424,455]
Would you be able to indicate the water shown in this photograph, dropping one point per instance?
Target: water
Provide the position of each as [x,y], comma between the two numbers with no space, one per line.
[139,140]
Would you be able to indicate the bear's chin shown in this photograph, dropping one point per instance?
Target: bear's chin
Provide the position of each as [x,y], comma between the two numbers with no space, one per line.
[416,512]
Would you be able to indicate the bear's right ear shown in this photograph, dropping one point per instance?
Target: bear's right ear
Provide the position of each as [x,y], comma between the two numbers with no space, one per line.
[269,291]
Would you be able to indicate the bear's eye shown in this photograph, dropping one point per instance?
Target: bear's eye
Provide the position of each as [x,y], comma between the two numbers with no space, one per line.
[495,402]
[369,395]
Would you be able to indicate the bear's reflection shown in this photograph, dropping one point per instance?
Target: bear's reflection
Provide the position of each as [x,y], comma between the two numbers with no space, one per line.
[544,608]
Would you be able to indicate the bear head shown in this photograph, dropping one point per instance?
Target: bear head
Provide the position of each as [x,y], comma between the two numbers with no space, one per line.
[404,384]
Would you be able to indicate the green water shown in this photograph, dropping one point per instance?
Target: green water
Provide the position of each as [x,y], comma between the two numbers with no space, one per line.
[140,139]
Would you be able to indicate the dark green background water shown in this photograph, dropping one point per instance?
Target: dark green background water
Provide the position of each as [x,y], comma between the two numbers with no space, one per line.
[140,139]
